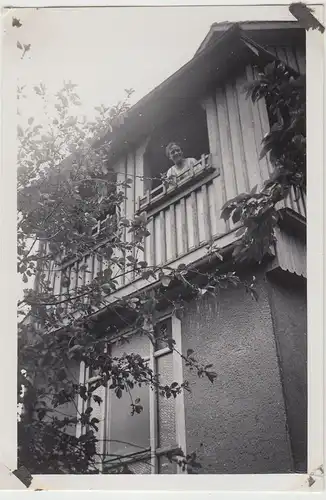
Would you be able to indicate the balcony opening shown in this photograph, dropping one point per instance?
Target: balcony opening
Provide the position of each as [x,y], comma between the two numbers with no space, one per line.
[188,128]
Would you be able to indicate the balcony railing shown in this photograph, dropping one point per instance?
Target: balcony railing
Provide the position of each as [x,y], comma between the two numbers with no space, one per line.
[181,220]
[183,216]
[165,190]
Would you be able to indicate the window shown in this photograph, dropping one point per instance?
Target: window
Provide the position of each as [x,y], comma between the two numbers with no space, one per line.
[141,439]
[188,128]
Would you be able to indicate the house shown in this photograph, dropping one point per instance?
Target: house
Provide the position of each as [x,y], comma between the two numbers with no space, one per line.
[253,418]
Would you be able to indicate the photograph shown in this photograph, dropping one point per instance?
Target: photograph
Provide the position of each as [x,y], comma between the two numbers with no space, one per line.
[161,239]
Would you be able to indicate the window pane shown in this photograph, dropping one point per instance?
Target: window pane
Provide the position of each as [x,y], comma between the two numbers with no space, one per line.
[133,430]
[128,433]
[137,344]
[163,332]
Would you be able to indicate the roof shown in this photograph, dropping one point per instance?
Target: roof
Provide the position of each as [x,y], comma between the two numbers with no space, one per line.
[261,31]
[226,48]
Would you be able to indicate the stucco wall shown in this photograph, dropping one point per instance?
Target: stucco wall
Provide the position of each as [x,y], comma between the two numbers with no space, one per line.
[288,302]
[240,418]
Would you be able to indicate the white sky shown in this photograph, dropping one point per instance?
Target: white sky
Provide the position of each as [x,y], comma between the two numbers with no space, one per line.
[107,49]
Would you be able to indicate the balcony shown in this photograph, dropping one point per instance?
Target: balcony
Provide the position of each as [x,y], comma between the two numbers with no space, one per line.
[183,216]
[181,219]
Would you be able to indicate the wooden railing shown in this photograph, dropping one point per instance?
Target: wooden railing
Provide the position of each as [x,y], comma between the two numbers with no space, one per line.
[165,190]
[182,217]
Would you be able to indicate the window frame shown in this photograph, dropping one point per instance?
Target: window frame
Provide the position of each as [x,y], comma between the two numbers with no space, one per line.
[154,452]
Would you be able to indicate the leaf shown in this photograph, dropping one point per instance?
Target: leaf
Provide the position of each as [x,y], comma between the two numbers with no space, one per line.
[137,401]
[97,399]
[30,120]
[75,348]
[211,376]
[138,408]
[118,393]
[20,131]
[236,216]
[19,46]
[189,352]
[165,280]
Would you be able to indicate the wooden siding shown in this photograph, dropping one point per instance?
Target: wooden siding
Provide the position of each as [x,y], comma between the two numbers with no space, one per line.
[184,225]
[189,220]
[291,253]
[292,56]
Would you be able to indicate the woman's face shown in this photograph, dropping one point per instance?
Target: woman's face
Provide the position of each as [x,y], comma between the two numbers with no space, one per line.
[176,154]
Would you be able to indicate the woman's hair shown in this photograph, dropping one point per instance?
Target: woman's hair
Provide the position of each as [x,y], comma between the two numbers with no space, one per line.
[170,146]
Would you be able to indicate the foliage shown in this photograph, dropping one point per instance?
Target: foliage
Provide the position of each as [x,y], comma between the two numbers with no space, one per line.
[284,92]
[65,186]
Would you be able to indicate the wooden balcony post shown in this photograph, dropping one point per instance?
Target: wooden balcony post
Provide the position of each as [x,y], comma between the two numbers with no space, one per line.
[192,170]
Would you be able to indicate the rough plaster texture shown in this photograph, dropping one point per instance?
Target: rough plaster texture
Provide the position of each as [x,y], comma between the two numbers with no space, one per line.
[240,418]
[289,308]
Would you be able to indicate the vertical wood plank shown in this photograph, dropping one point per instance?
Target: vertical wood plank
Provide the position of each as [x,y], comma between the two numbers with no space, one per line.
[163,236]
[291,58]
[301,205]
[151,238]
[157,236]
[184,230]
[206,216]
[258,132]
[229,189]
[81,275]
[211,193]
[130,204]
[301,60]
[226,146]
[191,221]
[167,217]
[56,282]
[173,232]
[73,279]
[179,228]
[122,167]
[195,227]
[249,140]
[65,288]
[219,198]
[200,212]
[241,178]
[213,131]
[265,126]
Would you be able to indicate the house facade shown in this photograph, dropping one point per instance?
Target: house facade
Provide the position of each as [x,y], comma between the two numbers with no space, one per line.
[252,419]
